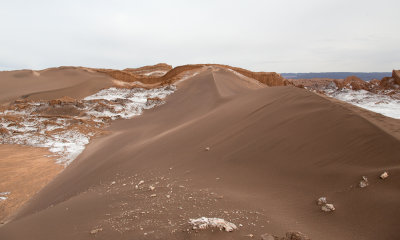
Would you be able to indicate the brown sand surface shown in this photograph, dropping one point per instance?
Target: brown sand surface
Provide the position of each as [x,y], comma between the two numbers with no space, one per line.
[51,83]
[273,152]
[23,172]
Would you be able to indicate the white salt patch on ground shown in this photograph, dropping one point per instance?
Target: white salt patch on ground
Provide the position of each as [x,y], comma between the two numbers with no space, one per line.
[158,72]
[378,103]
[67,142]
[3,195]
[125,103]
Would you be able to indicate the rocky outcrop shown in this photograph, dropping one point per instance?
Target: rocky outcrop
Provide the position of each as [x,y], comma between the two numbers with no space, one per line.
[157,70]
[396,76]
[129,76]
[352,82]
[143,74]
[63,101]
[268,78]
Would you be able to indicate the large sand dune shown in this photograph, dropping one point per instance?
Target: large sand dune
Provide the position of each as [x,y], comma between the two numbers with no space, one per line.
[272,152]
[51,83]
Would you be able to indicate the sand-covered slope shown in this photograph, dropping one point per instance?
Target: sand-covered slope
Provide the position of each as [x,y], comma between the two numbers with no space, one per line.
[51,83]
[272,152]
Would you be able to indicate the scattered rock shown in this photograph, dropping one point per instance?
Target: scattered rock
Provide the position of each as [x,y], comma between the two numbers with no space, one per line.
[321,201]
[325,206]
[296,236]
[95,231]
[384,175]
[267,236]
[328,207]
[289,236]
[364,182]
[204,223]
[4,132]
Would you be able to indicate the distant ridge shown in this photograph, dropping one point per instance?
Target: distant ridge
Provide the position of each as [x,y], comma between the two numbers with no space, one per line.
[366,76]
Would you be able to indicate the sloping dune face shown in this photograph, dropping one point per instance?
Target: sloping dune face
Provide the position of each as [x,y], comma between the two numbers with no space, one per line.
[51,83]
[222,147]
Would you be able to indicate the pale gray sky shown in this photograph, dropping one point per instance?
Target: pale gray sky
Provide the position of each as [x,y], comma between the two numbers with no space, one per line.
[274,35]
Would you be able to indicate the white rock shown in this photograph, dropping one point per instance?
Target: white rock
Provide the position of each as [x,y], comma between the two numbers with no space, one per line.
[207,148]
[152,188]
[153,195]
[321,201]
[97,230]
[328,207]
[141,182]
[204,223]
[384,175]
[364,182]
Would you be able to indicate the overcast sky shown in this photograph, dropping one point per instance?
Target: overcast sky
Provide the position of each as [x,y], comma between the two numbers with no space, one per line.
[275,35]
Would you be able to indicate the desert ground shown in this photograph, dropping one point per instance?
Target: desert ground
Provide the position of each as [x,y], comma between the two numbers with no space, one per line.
[211,141]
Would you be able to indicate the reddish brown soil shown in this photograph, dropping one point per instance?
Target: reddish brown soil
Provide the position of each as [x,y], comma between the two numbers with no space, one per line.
[24,171]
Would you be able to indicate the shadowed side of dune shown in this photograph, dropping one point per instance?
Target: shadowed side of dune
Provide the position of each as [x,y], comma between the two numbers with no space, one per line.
[272,150]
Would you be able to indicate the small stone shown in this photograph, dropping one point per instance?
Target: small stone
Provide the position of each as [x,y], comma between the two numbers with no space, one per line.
[328,207]
[113,182]
[141,182]
[168,196]
[296,236]
[250,235]
[153,195]
[364,182]
[152,188]
[207,148]
[94,231]
[321,201]
[267,236]
[384,175]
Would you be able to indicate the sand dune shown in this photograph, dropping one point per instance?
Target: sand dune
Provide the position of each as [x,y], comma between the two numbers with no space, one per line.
[51,83]
[272,152]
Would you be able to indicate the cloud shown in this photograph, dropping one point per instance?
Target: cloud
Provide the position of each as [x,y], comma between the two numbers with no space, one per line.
[282,36]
